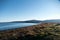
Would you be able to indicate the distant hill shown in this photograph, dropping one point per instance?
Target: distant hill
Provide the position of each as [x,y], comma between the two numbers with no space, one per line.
[39,21]
[28,21]
[52,21]
[36,21]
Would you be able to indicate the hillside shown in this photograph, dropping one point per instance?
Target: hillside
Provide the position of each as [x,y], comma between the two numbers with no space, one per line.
[27,21]
[34,21]
[44,31]
[52,21]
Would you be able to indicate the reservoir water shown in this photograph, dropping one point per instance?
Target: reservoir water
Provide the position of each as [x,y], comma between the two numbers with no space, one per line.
[5,26]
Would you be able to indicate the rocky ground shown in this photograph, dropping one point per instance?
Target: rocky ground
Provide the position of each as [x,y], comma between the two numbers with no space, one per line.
[44,31]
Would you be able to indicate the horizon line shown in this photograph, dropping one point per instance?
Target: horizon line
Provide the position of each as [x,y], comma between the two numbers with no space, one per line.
[29,19]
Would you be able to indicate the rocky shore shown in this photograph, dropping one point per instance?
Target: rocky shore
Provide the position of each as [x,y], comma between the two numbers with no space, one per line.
[44,31]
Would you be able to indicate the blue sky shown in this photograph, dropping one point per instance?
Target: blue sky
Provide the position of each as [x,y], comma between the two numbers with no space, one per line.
[16,10]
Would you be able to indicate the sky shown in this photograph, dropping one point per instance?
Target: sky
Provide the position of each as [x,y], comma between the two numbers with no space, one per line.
[20,10]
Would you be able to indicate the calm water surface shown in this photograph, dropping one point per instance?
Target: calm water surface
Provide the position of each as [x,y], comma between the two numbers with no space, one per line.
[5,26]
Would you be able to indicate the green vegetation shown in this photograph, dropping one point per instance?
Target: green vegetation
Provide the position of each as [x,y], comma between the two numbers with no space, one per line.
[45,31]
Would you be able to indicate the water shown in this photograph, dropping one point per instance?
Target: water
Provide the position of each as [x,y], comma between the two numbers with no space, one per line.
[5,26]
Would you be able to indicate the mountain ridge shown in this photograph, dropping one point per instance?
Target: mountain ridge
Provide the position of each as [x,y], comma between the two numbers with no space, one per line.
[36,21]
